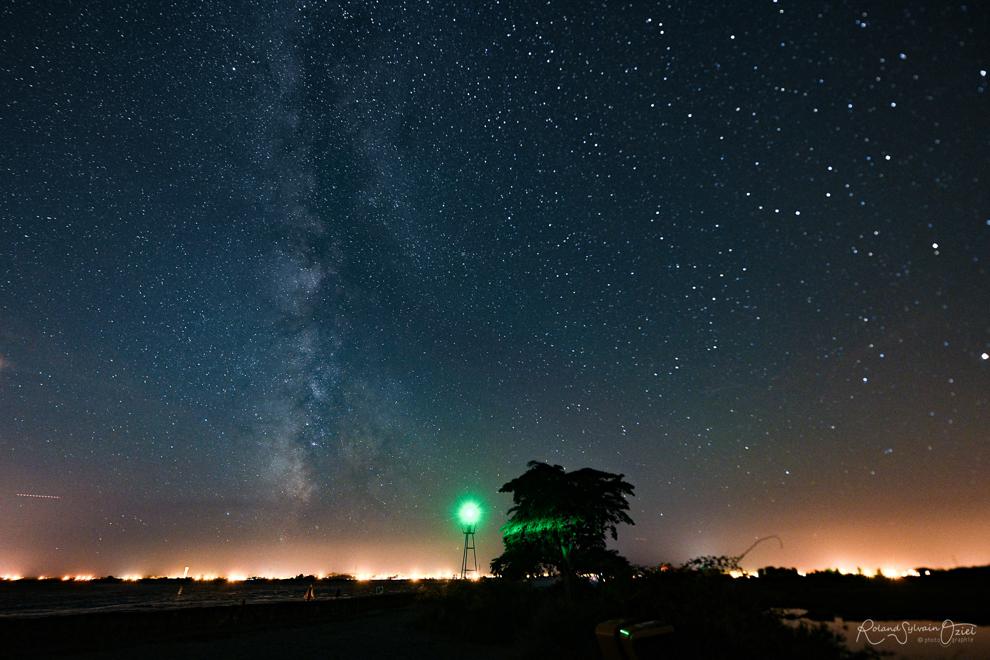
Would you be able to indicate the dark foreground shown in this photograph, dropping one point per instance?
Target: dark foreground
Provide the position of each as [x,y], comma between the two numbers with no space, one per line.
[376,634]
[713,616]
[365,627]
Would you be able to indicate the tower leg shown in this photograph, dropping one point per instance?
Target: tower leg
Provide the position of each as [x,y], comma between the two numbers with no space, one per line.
[474,552]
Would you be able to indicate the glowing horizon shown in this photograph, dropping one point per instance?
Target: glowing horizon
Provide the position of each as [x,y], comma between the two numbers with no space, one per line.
[807,547]
[887,572]
[866,569]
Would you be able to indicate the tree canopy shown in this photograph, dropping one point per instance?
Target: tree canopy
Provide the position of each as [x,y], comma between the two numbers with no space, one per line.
[560,521]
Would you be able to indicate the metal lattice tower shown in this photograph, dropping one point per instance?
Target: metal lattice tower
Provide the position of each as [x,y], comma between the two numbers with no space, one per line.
[469,544]
[469,514]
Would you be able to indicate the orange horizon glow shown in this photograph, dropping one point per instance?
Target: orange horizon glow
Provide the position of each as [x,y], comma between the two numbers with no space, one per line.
[239,576]
[888,571]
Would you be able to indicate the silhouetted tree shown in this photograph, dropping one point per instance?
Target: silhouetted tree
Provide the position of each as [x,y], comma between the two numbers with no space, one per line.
[559,522]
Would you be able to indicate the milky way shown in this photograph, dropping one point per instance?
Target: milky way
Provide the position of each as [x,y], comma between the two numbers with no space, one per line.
[281,281]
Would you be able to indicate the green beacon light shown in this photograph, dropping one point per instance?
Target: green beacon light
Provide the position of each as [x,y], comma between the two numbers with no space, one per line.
[469,514]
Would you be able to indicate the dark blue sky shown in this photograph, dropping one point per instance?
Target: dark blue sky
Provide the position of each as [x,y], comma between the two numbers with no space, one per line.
[278,280]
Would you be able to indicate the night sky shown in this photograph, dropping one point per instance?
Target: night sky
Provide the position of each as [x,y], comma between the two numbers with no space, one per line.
[280,283]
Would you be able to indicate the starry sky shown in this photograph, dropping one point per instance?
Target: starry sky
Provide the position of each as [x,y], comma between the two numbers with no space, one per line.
[281,282]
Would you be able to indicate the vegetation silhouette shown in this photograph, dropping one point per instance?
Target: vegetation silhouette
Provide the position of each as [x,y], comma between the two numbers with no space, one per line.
[726,563]
[560,521]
